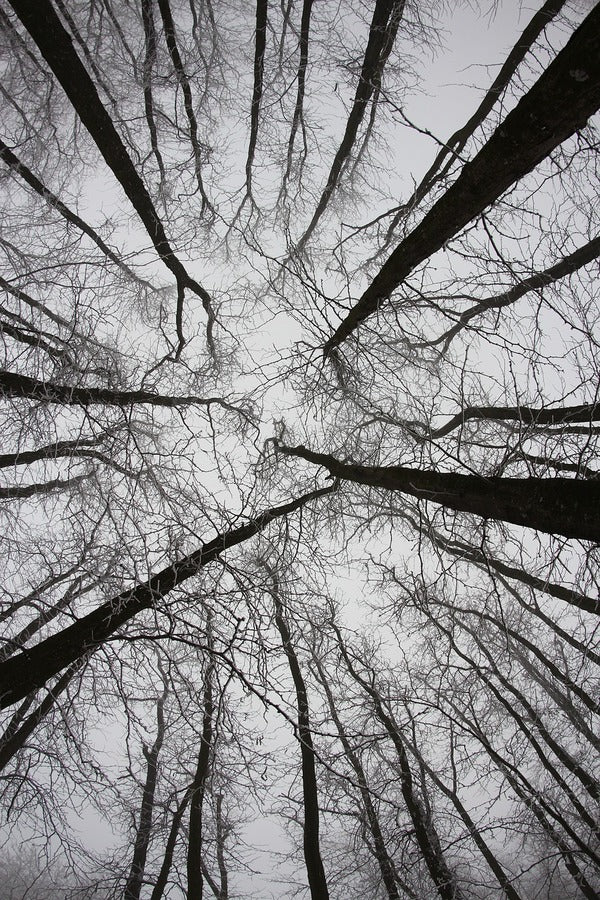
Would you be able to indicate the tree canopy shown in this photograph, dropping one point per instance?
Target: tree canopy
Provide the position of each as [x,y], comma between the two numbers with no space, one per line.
[299,473]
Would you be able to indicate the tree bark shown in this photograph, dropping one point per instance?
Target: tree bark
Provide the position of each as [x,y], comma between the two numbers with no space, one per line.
[558,105]
[389,875]
[163,875]
[566,266]
[382,33]
[56,46]
[15,385]
[526,415]
[312,850]
[144,829]
[455,144]
[194,854]
[15,739]
[31,669]
[425,833]
[554,505]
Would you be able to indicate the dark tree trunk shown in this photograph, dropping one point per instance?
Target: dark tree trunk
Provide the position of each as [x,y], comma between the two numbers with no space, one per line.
[554,505]
[14,385]
[382,33]
[526,415]
[56,46]
[452,148]
[144,829]
[558,105]
[301,78]
[194,854]
[260,38]
[14,739]
[163,875]
[425,832]
[31,669]
[29,178]
[312,849]
[389,875]
[566,266]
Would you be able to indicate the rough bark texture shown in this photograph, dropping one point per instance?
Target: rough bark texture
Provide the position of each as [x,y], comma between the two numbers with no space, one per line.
[455,144]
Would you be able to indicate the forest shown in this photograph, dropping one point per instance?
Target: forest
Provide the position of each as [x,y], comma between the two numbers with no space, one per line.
[299,450]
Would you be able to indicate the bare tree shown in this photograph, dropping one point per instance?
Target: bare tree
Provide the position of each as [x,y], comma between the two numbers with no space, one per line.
[299,480]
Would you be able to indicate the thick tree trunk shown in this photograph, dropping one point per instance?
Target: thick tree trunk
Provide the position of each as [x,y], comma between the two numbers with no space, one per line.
[452,147]
[55,44]
[559,104]
[31,669]
[555,505]
[14,385]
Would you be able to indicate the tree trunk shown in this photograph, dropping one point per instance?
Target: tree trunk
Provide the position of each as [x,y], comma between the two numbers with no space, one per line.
[312,850]
[425,832]
[558,105]
[555,505]
[194,854]
[144,829]
[31,669]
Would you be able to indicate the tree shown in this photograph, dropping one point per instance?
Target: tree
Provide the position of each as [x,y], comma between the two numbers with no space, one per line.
[300,486]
